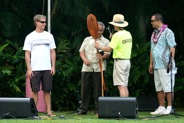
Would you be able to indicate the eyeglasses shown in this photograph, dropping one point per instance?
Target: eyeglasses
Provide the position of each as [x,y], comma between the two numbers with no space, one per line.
[153,20]
[42,22]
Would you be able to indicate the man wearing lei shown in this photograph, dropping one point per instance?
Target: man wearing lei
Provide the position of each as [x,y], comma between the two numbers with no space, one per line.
[162,51]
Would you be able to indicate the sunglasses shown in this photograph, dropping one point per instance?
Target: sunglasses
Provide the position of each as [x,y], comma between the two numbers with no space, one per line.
[153,20]
[42,22]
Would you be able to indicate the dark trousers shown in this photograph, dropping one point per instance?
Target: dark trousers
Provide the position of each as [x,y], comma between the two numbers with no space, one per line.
[90,80]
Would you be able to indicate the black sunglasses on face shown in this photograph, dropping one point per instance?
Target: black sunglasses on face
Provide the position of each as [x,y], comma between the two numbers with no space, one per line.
[153,20]
[42,22]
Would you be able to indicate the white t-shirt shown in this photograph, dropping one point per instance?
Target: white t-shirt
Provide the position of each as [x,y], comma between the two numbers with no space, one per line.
[40,44]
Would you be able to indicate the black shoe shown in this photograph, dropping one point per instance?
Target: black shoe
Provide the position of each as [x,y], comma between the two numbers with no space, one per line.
[81,113]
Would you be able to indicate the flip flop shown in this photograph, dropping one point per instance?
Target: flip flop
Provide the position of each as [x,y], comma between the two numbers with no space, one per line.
[51,115]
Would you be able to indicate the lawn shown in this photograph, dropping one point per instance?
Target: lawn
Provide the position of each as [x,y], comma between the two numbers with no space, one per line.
[72,117]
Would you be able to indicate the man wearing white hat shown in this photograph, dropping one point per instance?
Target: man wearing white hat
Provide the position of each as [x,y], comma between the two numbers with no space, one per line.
[121,44]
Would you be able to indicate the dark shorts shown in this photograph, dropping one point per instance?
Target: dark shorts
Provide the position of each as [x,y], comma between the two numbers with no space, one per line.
[43,77]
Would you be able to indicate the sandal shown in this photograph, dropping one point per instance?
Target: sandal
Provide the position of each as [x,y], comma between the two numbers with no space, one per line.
[51,115]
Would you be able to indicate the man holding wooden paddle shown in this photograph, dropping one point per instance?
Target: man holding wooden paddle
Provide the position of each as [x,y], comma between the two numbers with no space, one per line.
[91,72]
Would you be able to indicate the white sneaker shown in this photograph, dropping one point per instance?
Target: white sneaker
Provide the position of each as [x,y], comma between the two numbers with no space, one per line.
[167,111]
[158,111]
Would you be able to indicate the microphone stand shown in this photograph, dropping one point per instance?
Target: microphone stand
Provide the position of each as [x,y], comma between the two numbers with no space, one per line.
[170,68]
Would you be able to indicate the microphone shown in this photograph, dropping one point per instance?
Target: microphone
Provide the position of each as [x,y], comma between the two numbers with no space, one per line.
[169,63]
[168,68]
[108,28]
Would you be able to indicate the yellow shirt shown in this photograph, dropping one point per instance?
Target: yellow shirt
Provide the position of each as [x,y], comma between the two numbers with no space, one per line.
[121,43]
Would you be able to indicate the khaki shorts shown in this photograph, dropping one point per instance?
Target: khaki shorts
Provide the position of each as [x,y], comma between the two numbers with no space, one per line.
[121,72]
[163,80]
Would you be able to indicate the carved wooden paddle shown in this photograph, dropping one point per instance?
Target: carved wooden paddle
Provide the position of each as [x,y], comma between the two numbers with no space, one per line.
[93,30]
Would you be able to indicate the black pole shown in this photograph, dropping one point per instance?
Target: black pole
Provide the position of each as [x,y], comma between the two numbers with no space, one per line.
[170,68]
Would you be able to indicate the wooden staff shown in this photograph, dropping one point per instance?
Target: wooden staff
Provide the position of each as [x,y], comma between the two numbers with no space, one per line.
[93,30]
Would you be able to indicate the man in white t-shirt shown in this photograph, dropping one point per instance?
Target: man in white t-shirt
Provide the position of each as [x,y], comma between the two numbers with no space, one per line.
[40,57]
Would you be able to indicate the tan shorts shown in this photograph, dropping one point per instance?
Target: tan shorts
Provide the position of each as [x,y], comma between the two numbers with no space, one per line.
[163,80]
[121,72]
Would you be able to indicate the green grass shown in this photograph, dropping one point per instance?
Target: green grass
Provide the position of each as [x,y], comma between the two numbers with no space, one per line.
[72,117]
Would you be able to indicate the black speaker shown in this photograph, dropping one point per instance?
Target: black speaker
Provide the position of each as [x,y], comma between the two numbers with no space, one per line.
[147,103]
[117,107]
[17,108]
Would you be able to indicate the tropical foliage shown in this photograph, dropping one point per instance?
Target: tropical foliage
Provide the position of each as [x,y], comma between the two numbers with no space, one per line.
[69,28]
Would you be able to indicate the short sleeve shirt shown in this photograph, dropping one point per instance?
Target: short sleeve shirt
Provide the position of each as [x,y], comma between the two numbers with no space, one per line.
[161,49]
[40,44]
[88,47]
[121,43]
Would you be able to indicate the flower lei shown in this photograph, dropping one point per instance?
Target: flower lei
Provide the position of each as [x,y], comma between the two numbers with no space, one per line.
[155,36]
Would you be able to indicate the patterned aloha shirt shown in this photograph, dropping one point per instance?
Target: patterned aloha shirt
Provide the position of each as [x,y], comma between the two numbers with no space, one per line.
[161,49]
